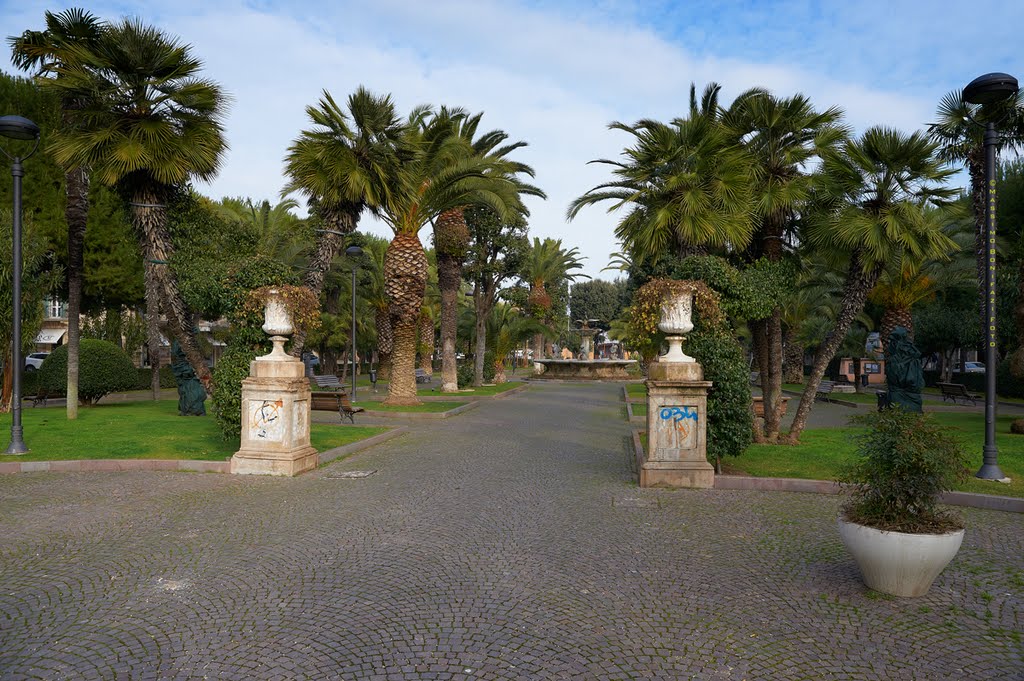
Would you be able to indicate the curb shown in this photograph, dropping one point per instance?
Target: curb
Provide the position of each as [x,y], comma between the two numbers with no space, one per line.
[423,415]
[449,397]
[113,466]
[989,502]
[831,400]
[347,450]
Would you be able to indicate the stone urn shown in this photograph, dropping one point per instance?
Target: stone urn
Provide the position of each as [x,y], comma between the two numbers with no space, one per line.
[676,322]
[277,323]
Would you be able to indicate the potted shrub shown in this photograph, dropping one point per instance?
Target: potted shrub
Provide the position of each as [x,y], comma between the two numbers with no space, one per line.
[892,524]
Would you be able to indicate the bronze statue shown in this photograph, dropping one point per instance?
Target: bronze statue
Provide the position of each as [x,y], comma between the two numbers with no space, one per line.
[191,394]
[903,373]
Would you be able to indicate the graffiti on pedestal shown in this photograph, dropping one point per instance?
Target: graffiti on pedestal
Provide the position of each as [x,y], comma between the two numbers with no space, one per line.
[265,419]
[677,427]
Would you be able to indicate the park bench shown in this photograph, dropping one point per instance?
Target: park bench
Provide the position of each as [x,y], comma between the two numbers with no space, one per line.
[330,382]
[42,394]
[335,401]
[955,391]
[825,389]
[422,376]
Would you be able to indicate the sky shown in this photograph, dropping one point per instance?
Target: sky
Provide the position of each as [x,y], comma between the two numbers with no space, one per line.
[555,74]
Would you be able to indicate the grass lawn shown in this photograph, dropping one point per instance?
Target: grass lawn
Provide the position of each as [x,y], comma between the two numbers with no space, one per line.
[426,407]
[143,430]
[823,451]
[484,390]
[867,397]
[636,390]
[639,408]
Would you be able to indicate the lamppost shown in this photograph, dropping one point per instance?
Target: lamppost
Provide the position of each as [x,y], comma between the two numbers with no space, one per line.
[353,252]
[991,88]
[17,128]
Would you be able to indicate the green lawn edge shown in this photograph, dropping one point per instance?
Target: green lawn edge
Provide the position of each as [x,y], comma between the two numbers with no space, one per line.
[145,430]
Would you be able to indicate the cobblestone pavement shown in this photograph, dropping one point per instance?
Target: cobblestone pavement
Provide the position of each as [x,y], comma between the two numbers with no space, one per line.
[507,543]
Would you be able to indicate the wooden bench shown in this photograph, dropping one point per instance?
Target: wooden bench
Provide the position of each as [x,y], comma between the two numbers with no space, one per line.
[955,391]
[335,401]
[422,376]
[42,394]
[825,389]
[329,382]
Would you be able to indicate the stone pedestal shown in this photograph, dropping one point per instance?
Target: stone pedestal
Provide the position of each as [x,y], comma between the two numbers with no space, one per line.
[275,418]
[676,452]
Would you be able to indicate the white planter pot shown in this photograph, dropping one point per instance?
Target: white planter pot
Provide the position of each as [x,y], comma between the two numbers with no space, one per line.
[898,563]
[676,321]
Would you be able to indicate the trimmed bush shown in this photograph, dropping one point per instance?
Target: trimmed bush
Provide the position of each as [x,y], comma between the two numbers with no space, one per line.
[228,375]
[104,368]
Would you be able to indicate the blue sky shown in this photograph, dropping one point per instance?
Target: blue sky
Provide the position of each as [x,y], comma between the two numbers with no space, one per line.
[556,73]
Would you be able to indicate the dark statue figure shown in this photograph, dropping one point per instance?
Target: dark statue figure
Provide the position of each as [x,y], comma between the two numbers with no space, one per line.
[191,394]
[903,373]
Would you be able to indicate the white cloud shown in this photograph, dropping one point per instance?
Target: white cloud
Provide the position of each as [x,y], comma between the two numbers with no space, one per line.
[549,78]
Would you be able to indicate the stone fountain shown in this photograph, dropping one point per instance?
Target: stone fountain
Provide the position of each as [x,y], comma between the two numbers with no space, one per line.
[584,369]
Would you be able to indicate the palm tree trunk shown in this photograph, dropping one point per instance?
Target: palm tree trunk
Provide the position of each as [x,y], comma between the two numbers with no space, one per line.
[772,389]
[385,343]
[759,339]
[150,218]
[855,292]
[426,344]
[405,280]
[538,346]
[153,327]
[480,302]
[402,386]
[327,246]
[449,279]
[893,317]
[499,371]
[76,213]
[793,366]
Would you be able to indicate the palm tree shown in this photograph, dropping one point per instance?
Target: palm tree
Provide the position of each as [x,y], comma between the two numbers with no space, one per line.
[451,235]
[44,52]
[687,185]
[147,126]
[436,175]
[547,265]
[374,250]
[346,163]
[273,226]
[783,136]
[960,132]
[874,197]
[506,328]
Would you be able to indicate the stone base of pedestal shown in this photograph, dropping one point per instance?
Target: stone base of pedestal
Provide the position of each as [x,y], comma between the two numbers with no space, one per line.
[274,463]
[676,453]
[275,419]
[695,474]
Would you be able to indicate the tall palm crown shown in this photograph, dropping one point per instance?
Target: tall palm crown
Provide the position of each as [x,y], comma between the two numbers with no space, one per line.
[548,264]
[686,183]
[48,50]
[146,124]
[878,190]
[148,120]
[782,135]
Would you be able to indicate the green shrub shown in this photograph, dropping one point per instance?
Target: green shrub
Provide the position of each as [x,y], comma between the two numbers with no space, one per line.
[730,421]
[465,371]
[905,461]
[228,375]
[104,368]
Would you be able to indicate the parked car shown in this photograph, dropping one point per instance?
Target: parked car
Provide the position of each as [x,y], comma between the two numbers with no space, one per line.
[970,368]
[35,360]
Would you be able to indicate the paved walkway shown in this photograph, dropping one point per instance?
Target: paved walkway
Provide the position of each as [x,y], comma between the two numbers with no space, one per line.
[507,543]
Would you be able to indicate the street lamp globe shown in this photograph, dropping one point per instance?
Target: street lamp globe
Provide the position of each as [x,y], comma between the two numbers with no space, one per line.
[990,88]
[18,128]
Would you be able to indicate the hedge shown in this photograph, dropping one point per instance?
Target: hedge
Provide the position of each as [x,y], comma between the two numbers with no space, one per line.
[1007,385]
[104,368]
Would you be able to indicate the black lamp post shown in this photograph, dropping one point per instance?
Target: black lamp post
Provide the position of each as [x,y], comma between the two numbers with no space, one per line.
[17,128]
[991,88]
[353,252]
